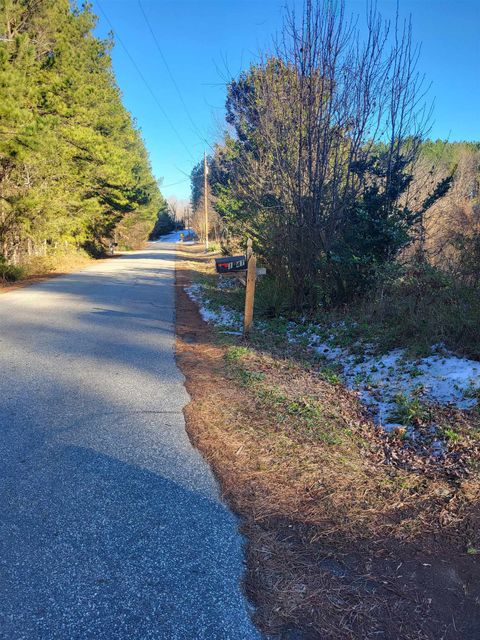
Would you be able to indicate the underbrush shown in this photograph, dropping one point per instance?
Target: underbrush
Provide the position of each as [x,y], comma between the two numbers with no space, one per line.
[392,358]
[10,272]
[423,309]
[56,262]
[214,246]
[412,307]
[270,301]
[342,520]
[33,266]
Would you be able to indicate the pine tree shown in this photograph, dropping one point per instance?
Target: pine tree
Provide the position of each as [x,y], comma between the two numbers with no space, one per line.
[73,167]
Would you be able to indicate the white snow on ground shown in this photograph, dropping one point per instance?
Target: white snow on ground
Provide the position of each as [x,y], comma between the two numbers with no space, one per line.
[222,316]
[441,378]
[225,282]
[173,236]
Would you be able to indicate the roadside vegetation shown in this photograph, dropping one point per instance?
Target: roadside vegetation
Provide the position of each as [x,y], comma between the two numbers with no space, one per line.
[33,267]
[352,531]
[368,229]
[423,399]
[74,172]
[346,430]
[357,215]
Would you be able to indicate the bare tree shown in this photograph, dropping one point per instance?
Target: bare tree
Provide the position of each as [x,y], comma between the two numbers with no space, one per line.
[327,122]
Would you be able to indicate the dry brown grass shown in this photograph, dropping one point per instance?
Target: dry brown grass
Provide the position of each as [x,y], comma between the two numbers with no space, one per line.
[40,268]
[339,543]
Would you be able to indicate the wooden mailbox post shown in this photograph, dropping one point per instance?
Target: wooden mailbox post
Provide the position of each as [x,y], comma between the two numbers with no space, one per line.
[244,268]
[249,289]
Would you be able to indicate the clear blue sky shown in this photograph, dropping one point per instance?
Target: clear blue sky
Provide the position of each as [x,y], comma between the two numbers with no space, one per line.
[206,42]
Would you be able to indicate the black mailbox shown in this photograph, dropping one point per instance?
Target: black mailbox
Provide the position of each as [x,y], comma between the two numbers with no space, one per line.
[231,263]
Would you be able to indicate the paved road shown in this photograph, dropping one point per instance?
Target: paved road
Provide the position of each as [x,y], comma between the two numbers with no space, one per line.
[111,524]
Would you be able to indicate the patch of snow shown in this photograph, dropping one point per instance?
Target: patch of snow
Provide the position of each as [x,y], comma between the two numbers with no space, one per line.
[173,236]
[226,282]
[441,378]
[222,316]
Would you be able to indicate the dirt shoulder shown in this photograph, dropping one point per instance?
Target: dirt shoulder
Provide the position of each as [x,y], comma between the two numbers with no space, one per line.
[340,542]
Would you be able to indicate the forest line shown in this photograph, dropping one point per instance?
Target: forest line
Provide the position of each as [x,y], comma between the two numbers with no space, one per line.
[74,171]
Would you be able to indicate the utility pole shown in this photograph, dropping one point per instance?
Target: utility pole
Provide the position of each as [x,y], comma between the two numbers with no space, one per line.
[205,196]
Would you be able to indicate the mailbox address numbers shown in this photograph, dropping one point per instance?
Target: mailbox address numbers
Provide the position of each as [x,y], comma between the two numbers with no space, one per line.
[231,263]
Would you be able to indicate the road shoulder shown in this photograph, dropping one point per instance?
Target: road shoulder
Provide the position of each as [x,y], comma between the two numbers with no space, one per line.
[339,545]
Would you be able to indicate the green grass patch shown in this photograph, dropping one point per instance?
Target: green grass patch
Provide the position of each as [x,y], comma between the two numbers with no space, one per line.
[410,411]
[330,374]
[448,433]
[236,353]
[305,414]
[248,377]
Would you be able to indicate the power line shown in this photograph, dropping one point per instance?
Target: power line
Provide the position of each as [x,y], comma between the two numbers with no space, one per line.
[173,184]
[172,78]
[144,80]
[188,175]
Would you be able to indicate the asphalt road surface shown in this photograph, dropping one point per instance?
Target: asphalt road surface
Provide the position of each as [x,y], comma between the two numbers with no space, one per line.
[111,525]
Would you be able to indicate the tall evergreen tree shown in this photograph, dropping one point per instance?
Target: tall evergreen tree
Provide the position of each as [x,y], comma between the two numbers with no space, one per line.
[73,167]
